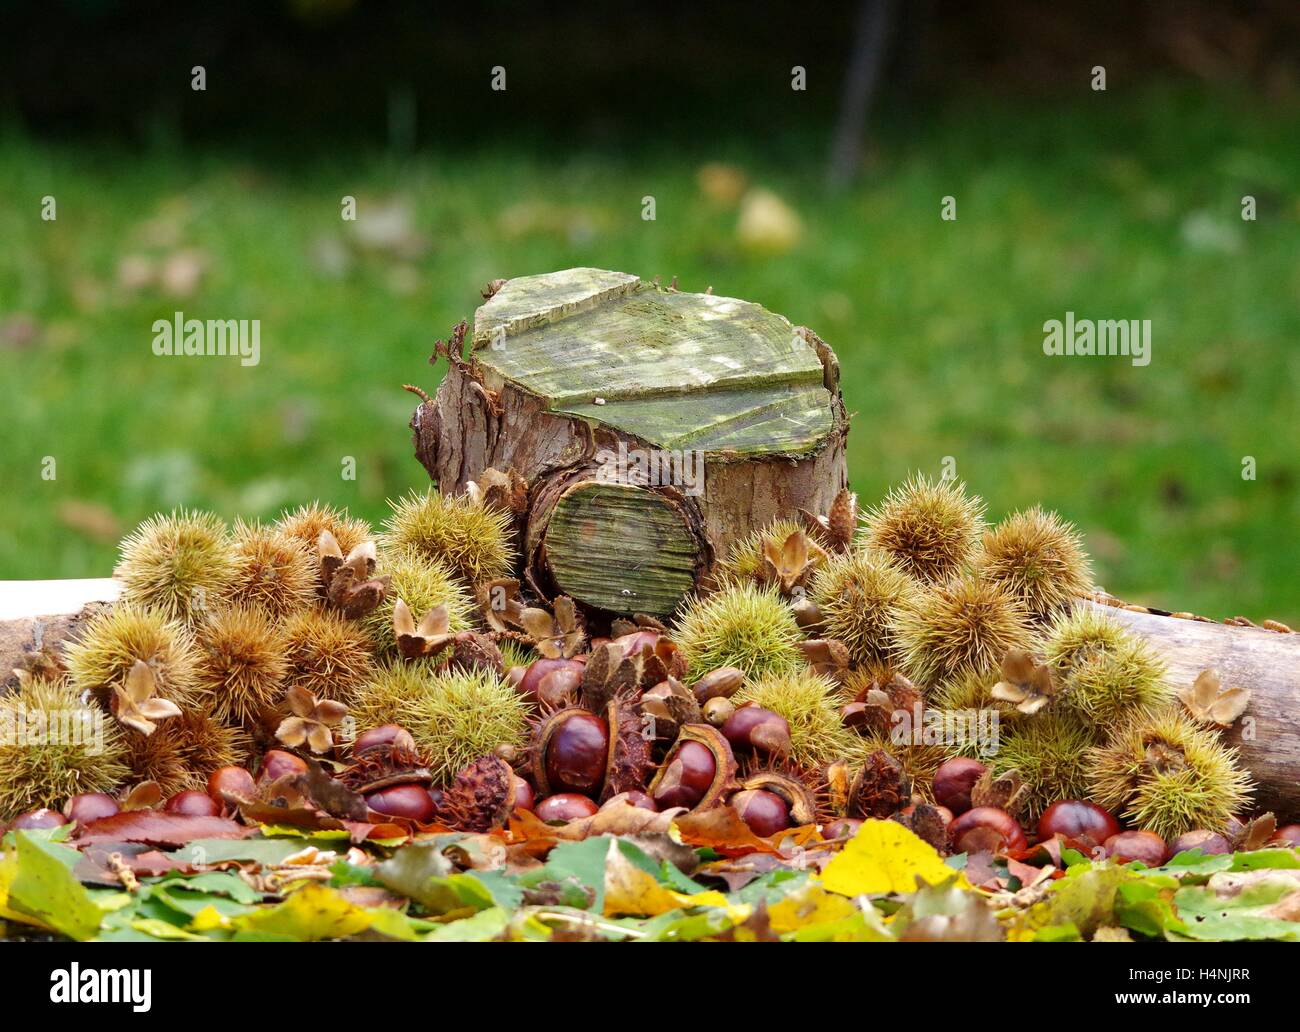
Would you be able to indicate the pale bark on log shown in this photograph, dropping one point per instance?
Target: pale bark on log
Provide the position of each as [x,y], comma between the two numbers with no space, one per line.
[39,616]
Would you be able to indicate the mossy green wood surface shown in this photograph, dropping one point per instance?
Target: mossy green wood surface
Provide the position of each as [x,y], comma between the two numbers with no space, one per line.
[674,369]
[620,548]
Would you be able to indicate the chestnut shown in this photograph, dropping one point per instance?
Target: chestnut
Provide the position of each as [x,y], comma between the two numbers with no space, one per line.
[1211,843]
[528,680]
[986,828]
[687,778]
[384,734]
[90,806]
[524,797]
[753,728]
[954,780]
[42,818]
[634,641]
[1145,846]
[632,797]
[717,711]
[277,764]
[1079,820]
[230,780]
[1287,835]
[843,828]
[193,803]
[576,754]
[410,801]
[765,812]
[565,806]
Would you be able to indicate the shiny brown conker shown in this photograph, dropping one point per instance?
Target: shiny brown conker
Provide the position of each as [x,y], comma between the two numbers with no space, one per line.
[632,797]
[565,806]
[42,818]
[755,729]
[1079,820]
[90,806]
[577,753]
[843,828]
[1145,846]
[384,734]
[528,680]
[954,780]
[1287,835]
[687,778]
[230,780]
[1211,843]
[986,828]
[410,801]
[277,764]
[193,803]
[634,641]
[765,812]
[524,797]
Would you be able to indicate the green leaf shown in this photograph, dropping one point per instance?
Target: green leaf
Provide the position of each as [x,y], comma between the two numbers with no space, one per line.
[420,872]
[44,886]
[1145,905]
[264,851]
[1209,915]
[481,927]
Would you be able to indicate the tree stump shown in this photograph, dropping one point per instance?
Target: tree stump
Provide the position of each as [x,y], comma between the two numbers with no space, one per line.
[654,428]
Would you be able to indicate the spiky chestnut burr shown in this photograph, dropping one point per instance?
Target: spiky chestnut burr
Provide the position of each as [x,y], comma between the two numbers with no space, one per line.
[963,624]
[177,564]
[378,699]
[1162,772]
[185,750]
[472,540]
[306,522]
[742,626]
[810,705]
[1050,753]
[856,594]
[327,654]
[1039,558]
[929,527]
[271,571]
[481,796]
[422,584]
[744,561]
[241,666]
[53,747]
[457,715]
[114,639]
[1105,672]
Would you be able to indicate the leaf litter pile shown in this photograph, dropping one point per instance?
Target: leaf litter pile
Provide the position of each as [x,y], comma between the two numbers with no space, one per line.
[894,725]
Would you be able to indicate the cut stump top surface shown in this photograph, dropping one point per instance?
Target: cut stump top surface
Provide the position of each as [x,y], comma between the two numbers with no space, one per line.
[676,370]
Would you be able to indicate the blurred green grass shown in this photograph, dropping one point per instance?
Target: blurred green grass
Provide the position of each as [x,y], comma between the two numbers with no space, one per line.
[1109,209]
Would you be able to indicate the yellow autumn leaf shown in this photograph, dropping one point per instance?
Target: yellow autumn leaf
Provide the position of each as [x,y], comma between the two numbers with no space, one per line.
[8,869]
[812,911]
[309,914]
[885,857]
[632,892]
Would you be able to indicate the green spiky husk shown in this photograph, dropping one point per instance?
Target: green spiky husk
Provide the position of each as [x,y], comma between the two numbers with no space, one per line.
[1039,557]
[326,653]
[272,571]
[744,561]
[421,583]
[857,594]
[961,625]
[178,564]
[929,527]
[89,755]
[472,540]
[1050,753]
[1104,671]
[515,654]
[457,716]
[1127,775]
[811,705]
[306,522]
[742,626]
[115,638]
[378,699]
[184,750]
[242,663]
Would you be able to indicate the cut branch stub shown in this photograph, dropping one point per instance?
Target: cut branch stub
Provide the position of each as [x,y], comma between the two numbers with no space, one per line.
[655,428]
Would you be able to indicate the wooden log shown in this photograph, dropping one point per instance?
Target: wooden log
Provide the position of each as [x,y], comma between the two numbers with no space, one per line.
[719,415]
[1268,663]
[39,616]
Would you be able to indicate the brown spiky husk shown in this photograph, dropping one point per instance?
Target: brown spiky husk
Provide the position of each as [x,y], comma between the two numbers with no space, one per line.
[184,750]
[630,763]
[241,666]
[272,571]
[1039,557]
[327,654]
[856,594]
[306,522]
[480,797]
[929,527]
[115,638]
